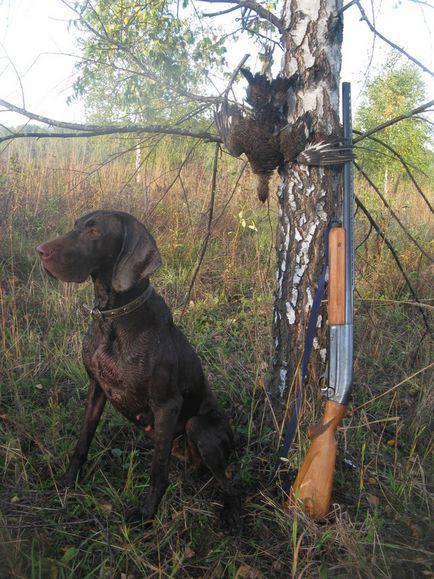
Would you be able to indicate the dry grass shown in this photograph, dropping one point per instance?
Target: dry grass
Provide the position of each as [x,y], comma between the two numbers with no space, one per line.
[381,519]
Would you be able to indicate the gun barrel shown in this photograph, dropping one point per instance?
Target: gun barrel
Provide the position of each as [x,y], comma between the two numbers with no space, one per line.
[341,334]
[348,204]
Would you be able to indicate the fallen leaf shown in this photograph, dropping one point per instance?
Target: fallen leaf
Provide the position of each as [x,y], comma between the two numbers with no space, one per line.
[247,572]
[106,507]
[373,500]
[277,566]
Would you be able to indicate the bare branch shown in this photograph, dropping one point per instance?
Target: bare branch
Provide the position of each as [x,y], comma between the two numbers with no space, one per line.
[346,6]
[209,229]
[80,130]
[255,7]
[389,42]
[404,164]
[46,120]
[136,129]
[392,212]
[234,75]
[422,3]
[212,14]
[397,260]
[407,115]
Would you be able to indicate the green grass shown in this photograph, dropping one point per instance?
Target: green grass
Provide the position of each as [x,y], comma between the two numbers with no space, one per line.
[382,496]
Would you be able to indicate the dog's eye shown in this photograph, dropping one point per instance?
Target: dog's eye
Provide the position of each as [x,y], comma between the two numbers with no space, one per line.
[91,232]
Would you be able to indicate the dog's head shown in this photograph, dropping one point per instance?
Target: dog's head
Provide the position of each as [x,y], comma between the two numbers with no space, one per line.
[102,243]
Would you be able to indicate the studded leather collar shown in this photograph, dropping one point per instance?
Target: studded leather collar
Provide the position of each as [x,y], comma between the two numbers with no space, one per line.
[123,310]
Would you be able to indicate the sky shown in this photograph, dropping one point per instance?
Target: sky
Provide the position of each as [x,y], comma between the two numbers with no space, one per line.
[38,51]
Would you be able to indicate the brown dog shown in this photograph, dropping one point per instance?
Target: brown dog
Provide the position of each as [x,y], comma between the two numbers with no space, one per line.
[136,357]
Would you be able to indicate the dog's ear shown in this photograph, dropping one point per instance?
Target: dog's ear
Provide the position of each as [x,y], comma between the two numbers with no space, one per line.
[138,257]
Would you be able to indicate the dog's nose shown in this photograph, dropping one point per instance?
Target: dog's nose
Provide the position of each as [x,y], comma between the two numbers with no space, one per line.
[44,251]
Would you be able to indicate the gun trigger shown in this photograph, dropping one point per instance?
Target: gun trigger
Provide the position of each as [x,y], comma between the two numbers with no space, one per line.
[323,380]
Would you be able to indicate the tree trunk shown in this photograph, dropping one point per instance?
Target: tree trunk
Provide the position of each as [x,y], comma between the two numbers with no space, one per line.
[308,196]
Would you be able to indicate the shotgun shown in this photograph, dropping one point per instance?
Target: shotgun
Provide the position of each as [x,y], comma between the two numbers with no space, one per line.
[314,482]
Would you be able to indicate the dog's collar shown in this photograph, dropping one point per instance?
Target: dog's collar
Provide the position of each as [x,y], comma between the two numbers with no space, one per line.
[123,310]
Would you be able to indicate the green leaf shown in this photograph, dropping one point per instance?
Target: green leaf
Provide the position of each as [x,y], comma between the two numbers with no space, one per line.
[69,554]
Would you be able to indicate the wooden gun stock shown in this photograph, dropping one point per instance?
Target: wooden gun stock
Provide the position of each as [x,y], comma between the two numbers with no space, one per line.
[314,482]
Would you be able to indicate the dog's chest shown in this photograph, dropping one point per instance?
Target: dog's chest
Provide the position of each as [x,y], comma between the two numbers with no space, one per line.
[119,371]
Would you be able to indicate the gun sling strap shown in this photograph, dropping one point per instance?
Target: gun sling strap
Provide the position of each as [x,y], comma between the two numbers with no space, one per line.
[291,427]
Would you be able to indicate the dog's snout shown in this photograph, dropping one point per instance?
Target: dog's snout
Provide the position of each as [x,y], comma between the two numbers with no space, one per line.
[44,251]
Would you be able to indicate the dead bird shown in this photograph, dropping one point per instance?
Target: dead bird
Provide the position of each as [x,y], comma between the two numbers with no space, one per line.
[262,133]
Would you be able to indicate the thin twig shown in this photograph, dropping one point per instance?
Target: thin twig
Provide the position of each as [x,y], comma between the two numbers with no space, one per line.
[394,387]
[392,212]
[234,76]
[255,7]
[241,173]
[365,239]
[422,3]
[403,163]
[406,115]
[174,180]
[208,233]
[212,14]
[389,42]
[387,302]
[396,258]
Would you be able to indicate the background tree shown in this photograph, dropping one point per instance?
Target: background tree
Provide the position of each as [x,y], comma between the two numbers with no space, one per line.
[397,89]
[143,61]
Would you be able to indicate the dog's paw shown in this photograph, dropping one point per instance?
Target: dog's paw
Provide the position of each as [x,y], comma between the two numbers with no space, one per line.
[67,480]
[138,515]
[230,515]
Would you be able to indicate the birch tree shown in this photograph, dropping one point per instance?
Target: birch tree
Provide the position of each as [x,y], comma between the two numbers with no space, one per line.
[307,197]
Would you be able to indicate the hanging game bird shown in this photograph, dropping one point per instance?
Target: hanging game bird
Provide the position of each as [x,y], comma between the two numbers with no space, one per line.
[242,133]
[264,135]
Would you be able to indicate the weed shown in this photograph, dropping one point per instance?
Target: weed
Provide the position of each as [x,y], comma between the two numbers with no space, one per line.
[382,499]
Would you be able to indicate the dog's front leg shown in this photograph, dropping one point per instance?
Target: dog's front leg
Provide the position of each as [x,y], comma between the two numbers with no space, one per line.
[165,420]
[95,403]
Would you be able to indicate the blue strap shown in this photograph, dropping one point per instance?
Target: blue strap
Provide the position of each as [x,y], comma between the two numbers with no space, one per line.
[308,345]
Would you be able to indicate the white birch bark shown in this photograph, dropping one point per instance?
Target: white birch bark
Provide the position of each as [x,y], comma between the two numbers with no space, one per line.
[308,196]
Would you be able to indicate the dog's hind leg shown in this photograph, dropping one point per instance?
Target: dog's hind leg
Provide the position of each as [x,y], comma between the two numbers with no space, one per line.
[165,420]
[211,437]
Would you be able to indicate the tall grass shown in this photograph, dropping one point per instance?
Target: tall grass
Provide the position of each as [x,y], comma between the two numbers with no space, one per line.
[381,517]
